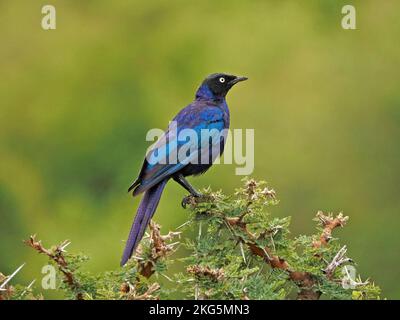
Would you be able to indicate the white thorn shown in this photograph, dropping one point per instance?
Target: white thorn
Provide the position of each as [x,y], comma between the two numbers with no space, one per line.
[28,287]
[11,276]
[199,232]
[182,225]
[168,278]
[62,248]
[137,258]
[242,251]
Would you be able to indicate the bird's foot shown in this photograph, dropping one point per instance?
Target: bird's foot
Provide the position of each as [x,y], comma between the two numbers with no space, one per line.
[191,199]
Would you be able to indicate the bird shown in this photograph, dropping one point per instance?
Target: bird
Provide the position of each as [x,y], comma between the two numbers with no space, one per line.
[208,111]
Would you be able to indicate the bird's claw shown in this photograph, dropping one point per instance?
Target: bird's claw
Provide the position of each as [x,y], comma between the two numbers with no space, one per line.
[190,200]
[185,201]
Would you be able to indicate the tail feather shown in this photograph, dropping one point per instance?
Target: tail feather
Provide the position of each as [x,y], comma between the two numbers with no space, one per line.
[145,212]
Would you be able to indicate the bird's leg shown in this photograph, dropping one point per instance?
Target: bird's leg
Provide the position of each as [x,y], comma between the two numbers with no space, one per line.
[184,183]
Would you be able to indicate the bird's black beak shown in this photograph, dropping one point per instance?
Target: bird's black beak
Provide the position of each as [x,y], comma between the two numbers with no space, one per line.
[236,80]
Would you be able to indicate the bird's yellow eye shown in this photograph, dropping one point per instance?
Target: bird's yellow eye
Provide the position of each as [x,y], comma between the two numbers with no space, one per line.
[222,79]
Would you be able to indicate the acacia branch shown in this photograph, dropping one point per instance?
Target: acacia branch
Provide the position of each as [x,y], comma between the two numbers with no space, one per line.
[304,280]
[129,291]
[339,259]
[159,249]
[329,223]
[57,255]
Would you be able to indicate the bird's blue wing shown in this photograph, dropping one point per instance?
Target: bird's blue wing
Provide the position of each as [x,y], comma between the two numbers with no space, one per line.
[171,153]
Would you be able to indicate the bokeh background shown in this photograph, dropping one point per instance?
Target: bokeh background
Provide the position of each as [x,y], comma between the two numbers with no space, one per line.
[77,102]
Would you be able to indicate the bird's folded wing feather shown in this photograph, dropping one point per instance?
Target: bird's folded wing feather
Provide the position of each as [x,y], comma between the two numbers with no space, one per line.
[172,152]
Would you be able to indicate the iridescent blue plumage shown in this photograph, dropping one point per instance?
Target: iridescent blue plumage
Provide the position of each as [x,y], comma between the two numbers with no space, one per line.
[208,111]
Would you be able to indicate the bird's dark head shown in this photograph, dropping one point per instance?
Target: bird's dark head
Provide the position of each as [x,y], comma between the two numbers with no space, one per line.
[218,84]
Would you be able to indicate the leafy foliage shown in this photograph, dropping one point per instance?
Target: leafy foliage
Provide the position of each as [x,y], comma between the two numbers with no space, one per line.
[237,250]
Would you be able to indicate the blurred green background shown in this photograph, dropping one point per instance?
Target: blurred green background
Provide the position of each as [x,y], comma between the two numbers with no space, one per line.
[77,102]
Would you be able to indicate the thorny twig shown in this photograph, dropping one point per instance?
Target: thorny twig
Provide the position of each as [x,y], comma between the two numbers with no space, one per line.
[159,249]
[329,223]
[305,280]
[353,283]
[130,292]
[339,259]
[57,255]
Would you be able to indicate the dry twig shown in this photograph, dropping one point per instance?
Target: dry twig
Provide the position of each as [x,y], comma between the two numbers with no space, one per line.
[159,249]
[57,255]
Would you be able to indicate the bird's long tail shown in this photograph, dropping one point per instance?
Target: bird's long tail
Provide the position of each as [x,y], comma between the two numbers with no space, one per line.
[145,212]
